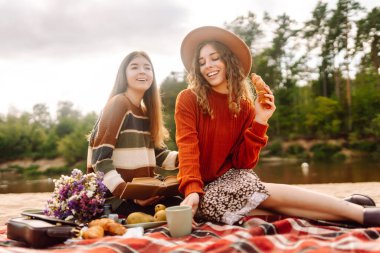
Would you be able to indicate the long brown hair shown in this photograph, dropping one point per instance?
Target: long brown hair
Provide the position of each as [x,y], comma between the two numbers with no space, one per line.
[237,85]
[151,99]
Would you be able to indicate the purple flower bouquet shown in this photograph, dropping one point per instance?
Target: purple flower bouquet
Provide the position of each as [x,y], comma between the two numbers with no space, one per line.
[78,198]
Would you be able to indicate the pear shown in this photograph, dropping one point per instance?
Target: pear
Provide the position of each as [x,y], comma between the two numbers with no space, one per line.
[160,215]
[159,207]
[139,217]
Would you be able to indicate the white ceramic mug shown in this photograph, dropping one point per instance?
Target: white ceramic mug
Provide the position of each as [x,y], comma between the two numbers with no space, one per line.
[179,220]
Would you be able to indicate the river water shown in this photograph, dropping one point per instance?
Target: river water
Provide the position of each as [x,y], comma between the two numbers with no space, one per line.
[292,172]
[288,172]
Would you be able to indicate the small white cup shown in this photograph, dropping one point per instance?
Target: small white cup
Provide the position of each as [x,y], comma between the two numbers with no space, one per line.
[114,216]
[179,220]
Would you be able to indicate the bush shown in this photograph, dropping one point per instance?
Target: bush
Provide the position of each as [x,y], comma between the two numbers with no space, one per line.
[339,157]
[15,168]
[324,151]
[296,150]
[374,127]
[364,145]
[32,170]
[275,149]
[81,165]
[53,171]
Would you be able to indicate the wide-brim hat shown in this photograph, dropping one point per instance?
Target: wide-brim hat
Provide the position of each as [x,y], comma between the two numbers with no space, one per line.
[213,33]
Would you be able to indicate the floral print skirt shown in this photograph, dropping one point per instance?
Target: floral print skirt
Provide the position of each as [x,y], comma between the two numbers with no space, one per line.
[232,196]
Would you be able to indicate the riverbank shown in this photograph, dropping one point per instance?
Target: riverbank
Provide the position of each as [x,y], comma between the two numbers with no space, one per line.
[12,204]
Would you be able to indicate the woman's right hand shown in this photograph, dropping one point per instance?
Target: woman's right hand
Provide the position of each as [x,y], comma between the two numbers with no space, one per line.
[264,103]
[191,200]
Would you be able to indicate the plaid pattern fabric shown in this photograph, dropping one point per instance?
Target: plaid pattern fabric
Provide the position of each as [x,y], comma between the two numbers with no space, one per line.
[257,234]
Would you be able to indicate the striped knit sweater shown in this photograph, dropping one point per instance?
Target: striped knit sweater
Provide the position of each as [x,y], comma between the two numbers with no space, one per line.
[122,147]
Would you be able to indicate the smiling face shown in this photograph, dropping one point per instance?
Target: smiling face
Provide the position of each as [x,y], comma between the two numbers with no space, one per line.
[213,68]
[139,74]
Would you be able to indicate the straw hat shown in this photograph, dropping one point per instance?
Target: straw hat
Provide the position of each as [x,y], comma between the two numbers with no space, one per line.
[213,33]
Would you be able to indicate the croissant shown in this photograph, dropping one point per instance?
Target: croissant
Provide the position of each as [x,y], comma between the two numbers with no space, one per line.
[100,222]
[259,85]
[115,228]
[109,226]
[93,232]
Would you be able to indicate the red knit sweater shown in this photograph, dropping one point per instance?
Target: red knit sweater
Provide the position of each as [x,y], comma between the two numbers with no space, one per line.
[209,147]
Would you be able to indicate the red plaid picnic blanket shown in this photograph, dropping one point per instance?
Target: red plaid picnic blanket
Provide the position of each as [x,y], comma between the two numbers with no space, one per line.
[256,234]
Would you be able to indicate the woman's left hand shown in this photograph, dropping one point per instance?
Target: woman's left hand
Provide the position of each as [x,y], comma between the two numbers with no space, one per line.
[265,111]
[191,200]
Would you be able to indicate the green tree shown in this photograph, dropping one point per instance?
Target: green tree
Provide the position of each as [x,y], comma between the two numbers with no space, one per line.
[170,88]
[40,124]
[340,32]
[284,68]
[323,118]
[280,53]
[15,141]
[366,101]
[41,116]
[369,34]
[374,127]
[247,28]
[67,118]
[315,33]
[73,146]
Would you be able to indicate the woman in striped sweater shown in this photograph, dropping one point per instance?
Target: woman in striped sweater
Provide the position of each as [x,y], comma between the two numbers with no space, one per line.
[128,139]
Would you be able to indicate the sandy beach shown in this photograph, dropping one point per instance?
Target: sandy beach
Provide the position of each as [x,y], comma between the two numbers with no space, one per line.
[13,204]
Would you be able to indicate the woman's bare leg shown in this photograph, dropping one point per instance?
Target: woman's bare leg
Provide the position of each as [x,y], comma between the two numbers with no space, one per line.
[297,201]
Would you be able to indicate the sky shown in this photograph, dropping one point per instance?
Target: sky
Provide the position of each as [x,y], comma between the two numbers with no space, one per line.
[54,50]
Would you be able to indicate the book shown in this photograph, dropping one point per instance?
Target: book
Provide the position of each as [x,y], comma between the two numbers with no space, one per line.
[146,187]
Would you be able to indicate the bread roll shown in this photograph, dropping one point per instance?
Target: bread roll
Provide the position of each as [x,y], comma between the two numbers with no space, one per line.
[93,232]
[100,222]
[259,85]
[109,225]
[115,228]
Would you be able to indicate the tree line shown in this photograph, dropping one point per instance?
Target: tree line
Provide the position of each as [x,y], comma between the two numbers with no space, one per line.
[324,74]
[37,135]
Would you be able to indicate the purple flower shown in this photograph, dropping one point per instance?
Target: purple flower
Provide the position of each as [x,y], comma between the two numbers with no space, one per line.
[74,196]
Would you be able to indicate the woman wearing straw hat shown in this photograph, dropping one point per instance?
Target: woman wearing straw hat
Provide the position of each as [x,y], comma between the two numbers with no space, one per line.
[220,132]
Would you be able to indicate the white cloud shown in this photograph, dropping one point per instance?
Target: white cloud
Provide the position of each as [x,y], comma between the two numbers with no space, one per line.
[67,28]
[54,50]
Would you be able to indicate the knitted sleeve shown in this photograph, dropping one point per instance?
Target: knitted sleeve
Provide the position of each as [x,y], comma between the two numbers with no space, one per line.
[187,141]
[254,138]
[166,158]
[104,145]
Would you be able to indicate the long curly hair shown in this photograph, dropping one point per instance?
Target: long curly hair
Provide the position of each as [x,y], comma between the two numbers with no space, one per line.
[237,84]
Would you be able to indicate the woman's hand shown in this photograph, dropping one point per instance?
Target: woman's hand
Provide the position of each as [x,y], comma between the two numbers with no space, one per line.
[191,200]
[264,110]
[149,201]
